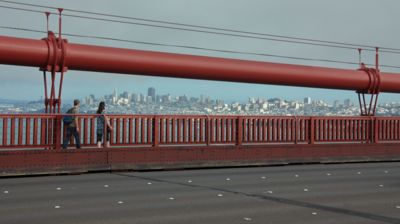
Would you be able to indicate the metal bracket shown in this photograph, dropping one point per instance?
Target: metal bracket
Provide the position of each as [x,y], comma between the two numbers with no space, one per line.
[56,63]
[373,88]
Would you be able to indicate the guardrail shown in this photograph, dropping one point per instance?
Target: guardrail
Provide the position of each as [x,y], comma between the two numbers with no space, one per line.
[34,131]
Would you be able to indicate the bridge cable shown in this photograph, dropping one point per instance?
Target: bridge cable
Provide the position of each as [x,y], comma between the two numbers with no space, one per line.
[199,26]
[293,39]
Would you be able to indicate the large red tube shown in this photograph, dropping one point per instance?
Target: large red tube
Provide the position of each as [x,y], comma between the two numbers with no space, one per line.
[38,53]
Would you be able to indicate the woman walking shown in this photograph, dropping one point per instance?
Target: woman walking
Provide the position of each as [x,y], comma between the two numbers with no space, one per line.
[102,121]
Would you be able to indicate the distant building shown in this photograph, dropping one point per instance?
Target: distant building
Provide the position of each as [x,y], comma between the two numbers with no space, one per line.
[307,100]
[193,100]
[219,102]
[347,103]
[183,99]
[252,100]
[89,100]
[135,98]
[282,104]
[115,94]
[142,98]
[166,98]
[152,93]
[336,104]
[150,99]
[264,106]
[125,95]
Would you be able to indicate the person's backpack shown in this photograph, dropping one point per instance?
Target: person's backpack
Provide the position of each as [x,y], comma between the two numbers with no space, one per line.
[68,119]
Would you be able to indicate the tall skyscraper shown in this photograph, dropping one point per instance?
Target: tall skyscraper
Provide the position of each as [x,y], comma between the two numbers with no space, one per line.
[115,94]
[307,100]
[152,93]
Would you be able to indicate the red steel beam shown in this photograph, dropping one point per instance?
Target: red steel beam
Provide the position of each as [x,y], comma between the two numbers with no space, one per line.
[38,53]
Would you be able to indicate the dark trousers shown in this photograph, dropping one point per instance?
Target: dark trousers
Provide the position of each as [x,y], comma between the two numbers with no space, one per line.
[72,131]
[100,134]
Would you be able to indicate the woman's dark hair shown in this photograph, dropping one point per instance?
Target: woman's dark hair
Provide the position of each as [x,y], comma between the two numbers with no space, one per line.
[102,106]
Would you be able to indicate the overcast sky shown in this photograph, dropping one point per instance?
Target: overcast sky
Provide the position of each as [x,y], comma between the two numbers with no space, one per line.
[372,22]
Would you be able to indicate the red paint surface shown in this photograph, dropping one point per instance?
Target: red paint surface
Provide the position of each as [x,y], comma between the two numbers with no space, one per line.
[36,53]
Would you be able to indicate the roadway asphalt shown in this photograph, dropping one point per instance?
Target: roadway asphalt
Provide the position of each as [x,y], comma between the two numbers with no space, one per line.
[340,193]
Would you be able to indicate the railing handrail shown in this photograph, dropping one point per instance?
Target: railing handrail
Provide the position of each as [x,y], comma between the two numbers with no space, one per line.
[202,115]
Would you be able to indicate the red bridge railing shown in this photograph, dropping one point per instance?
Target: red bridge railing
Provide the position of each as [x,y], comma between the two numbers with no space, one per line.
[32,131]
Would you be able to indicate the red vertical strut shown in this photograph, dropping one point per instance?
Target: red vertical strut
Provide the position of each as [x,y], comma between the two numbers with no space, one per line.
[373,89]
[55,64]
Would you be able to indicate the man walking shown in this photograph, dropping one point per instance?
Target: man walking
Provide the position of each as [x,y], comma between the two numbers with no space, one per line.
[73,127]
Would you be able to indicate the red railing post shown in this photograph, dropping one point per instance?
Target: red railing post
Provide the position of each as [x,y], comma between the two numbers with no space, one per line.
[20,130]
[118,131]
[208,130]
[124,132]
[51,130]
[312,132]
[85,129]
[142,130]
[93,136]
[136,130]
[105,132]
[130,128]
[239,130]
[376,130]
[12,132]
[167,130]
[28,131]
[370,133]
[111,120]
[155,131]
[5,130]
[296,127]
[57,132]
[149,134]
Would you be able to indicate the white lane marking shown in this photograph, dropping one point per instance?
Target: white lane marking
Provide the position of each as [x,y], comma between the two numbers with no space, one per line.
[106,185]
[386,171]
[228,179]
[149,183]
[380,185]
[120,202]
[264,178]
[57,206]
[220,195]
[269,192]
[58,188]
[6,192]
[296,175]
[398,206]
[328,174]
[314,213]
[247,219]
[359,173]
[305,189]
[189,181]
[171,198]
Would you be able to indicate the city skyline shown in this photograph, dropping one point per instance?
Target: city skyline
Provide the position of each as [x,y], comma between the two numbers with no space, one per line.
[153,97]
[125,102]
[243,99]
[118,92]
[336,24]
